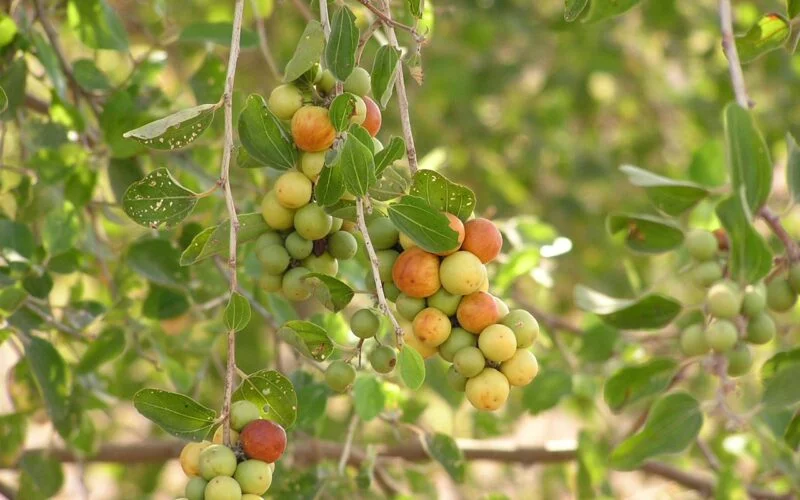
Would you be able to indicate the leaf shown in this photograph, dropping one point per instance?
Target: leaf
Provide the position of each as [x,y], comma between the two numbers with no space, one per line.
[793,8]
[633,383]
[310,339]
[573,9]
[792,165]
[340,52]
[3,100]
[330,185]
[411,367]
[89,76]
[176,130]
[208,82]
[782,390]
[520,263]
[343,209]
[669,196]
[52,377]
[368,397]
[307,53]
[16,237]
[343,107]
[427,227]
[49,60]
[215,240]
[164,303]
[264,136]
[443,194]
[219,33]
[394,183]
[647,312]
[97,24]
[769,33]
[237,312]
[330,291]
[177,414]
[445,450]
[748,157]
[61,230]
[415,7]
[791,436]
[358,166]
[546,390]
[388,155]
[158,200]
[598,342]
[363,137]
[11,298]
[273,394]
[708,164]
[600,10]
[384,73]
[42,475]
[12,80]
[106,347]
[750,255]
[646,233]
[157,260]
[8,29]
[673,424]
[12,435]
[83,313]
[778,362]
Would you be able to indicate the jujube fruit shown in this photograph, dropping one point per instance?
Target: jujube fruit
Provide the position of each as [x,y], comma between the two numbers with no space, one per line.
[358,82]
[503,308]
[271,282]
[242,413]
[276,215]
[285,100]
[794,277]
[488,390]
[416,273]
[254,476]
[195,488]
[702,245]
[263,440]
[431,326]
[312,129]
[312,223]
[293,190]
[190,457]
[382,233]
[327,82]
[724,300]
[359,111]
[469,361]
[391,291]
[461,273]
[706,273]
[524,326]
[223,488]
[365,323]
[408,307]
[383,359]
[298,247]
[294,286]
[276,259]
[342,245]
[340,375]
[483,239]
[311,164]
[477,311]
[374,118]
[406,242]
[457,226]
[386,260]
[411,340]
[219,437]
[458,339]
[739,360]
[521,368]
[497,342]
[721,335]
[780,295]
[455,380]
[755,300]
[760,329]
[324,264]
[693,341]
[217,460]
[445,301]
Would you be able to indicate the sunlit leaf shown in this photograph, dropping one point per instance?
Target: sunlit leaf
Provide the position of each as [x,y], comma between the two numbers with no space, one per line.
[176,130]
[215,240]
[384,73]
[646,233]
[310,339]
[668,195]
[177,414]
[340,52]
[748,157]
[411,367]
[358,166]
[646,312]
[307,53]
[443,194]
[330,291]
[600,10]
[237,312]
[769,33]
[445,450]
[634,383]
[97,24]
[272,393]
[158,200]
[427,227]
[264,136]
[573,9]
[368,397]
[750,256]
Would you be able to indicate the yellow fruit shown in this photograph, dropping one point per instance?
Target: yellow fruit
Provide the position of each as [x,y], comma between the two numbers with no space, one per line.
[190,457]
[461,273]
[431,326]
[521,369]
[276,215]
[293,190]
[217,439]
[498,343]
[488,390]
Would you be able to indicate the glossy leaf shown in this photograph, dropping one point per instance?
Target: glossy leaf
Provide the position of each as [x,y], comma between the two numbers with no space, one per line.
[358,166]
[157,260]
[106,347]
[442,194]
[668,195]
[97,24]
[392,152]
[647,312]
[600,10]
[215,240]
[177,414]
[273,394]
[646,233]
[384,73]
[748,157]
[158,200]
[546,390]
[411,367]
[310,339]
[445,450]
[793,166]
[342,109]
[330,291]
[176,130]
[426,226]
[368,397]
[264,136]
[217,33]
[330,185]
[634,383]
[750,256]
[573,9]
[769,33]
[307,53]
[340,51]
[237,312]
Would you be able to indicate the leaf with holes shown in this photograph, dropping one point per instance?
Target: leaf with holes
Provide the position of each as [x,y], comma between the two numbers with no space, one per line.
[272,393]
[342,109]
[384,73]
[158,200]
[310,339]
[668,195]
[358,166]
[646,312]
[340,52]
[426,226]
[750,255]
[307,53]
[634,383]
[394,183]
[177,414]
[264,136]
[411,366]
[176,130]
[646,233]
[769,33]
[445,450]
[237,312]
[330,291]
[215,240]
[443,194]
[748,157]
[573,9]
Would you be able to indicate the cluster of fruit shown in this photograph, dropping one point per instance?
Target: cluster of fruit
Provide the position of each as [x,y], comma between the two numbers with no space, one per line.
[241,472]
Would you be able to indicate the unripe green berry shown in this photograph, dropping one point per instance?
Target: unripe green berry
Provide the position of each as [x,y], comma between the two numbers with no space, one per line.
[469,361]
[365,323]
[311,222]
[386,260]
[706,273]
[324,264]
[702,245]
[242,413]
[391,291]
[722,335]
[271,282]
[285,100]
[383,359]
[760,329]
[294,286]
[336,225]
[342,245]
[755,300]
[724,300]
[409,307]
[780,295]
[266,240]
[358,82]
[298,247]
[739,360]
[254,476]
[340,375]
[223,488]
[311,164]
[195,488]
[327,82]
[383,233]
[455,380]
[693,341]
[217,460]
[524,326]
[458,339]
[445,301]
[276,259]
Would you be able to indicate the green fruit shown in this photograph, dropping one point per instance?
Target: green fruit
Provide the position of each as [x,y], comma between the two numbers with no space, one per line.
[242,413]
[365,323]
[276,259]
[794,277]
[444,301]
[250,496]
[724,300]
[524,326]
[298,247]
[462,273]
[217,460]
[458,339]
[702,245]
[285,100]
[383,233]
[271,282]
[336,225]
[739,360]
[755,300]
[391,291]
[340,375]
[693,341]
[722,335]
[760,329]
[455,380]
[311,164]
[312,223]
[383,359]
[386,260]
[195,488]
[327,82]
[266,240]
[360,111]
[780,295]
[223,488]
[342,245]
[324,264]
[497,342]
[276,215]
[409,307]
[294,285]
[358,82]
[469,361]
[706,273]
[254,476]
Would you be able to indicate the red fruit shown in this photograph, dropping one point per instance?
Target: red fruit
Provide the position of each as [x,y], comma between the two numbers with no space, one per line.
[416,273]
[482,239]
[477,311]
[373,120]
[312,129]
[263,440]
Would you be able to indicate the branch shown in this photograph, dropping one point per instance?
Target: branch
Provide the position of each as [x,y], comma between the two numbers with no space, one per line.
[388,21]
[729,47]
[324,19]
[774,223]
[348,443]
[262,43]
[304,10]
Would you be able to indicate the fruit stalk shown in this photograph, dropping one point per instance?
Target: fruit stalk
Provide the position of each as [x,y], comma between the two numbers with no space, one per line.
[729,47]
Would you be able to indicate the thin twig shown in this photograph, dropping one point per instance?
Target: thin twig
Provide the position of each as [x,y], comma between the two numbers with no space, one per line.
[304,10]
[774,223]
[388,21]
[324,19]
[709,455]
[365,37]
[262,43]
[50,320]
[729,47]
[348,443]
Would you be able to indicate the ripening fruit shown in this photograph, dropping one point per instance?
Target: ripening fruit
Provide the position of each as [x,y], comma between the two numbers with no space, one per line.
[780,295]
[190,457]
[477,311]
[455,380]
[458,339]
[693,341]
[285,100]
[311,164]
[386,260]
[702,245]
[294,285]
[497,342]
[359,111]
[469,361]
[271,282]
[482,238]
[195,488]
[485,283]
[794,277]
[276,259]
[488,390]
[391,291]
[365,323]
[254,476]
[293,190]
[373,120]
[461,273]
[218,436]
[457,226]
[721,335]
[408,307]
[724,300]
[406,242]
[242,413]
[521,369]
[324,264]
[340,375]
[706,273]
[327,82]
[358,82]
[524,326]
[383,359]
[431,326]
[263,440]
[445,301]
[760,329]
[416,273]
[250,496]
[298,247]
[312,129]
[755,300]
[382,232]
[342,245]
[217,460]
[276,215]
[503,308]
[223,488]
[312,223]
[424,350]
[739,360]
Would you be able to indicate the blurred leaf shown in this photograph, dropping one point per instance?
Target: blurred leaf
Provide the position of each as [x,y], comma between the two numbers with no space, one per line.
[782,389]
[600,10]
[158,200]
[89,76]
[121,174]
[307,53]
[157,260]
[669,196]
[748,156]
[708,164]
[52,376]
[343,209]
[634,383]
[729,485]
[343,107]
[49,60]
[519,263]
[415,7]
[411,367]
[384,73]
[177,414]
[12,435]
[445,450]
[3,100]
[17,237]
[8,30]
[769,33]
[597,343]
[97,24]
[83,313]
[176,130]
[12,81]
[120,114]
[793,8]
[61,228]
[573,9]
[426,226]
[778,362]
[358,166]
[309,339]
[164,303]
[208,82]
[592,466]
[330,185]
[330,291]
[273,394]
[393,183]
[646,233]
[647,312]
[793,166]
[443,194]
[792,435]
[42,476]
[79,186]
[340,52]
[106,347]
[264,137]
[389,154]
[368,397]
[750,256]
[215,240]
[37,284]
[237,312]
[546,390]
[672,425]
[312,397]
[11,297]
[218,33]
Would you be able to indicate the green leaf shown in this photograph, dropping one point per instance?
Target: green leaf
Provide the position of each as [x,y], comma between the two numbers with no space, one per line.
[791,436]
[573,9]
[778,362]
[49,60]
[600,10]
[310,339]
[273,394]
[411,367]
[38,284]
[368,397]
[445,450]
[443,194]
[52,376]
[340,52]
[793,166]
[3,100]
[219,33]
[12,80]
[673,424]
[769,33]
[61,230]
[708,164]
[384,73]
[426,226]
[12,435]
[389,154]
[83,313]
[343,209]
[520,263]
[793,8]
[330,291]
[208,82]
[669,196]
[358,166]
[393,183]
[176,130]
[343,107]
[634,383]
[264,136]
[97,24]
[415,7]
[215,240]
[237,312]
[157,260]
[598,342]
[42,475]
[11,297]
[177,414]
[646,233]
[750,256]
[782,389]
[647,312]
[89,76]
[546,390]
[748,157]
[330,185]
[106,347]
[307,53]
[16,237]
[164,303]
[158,200]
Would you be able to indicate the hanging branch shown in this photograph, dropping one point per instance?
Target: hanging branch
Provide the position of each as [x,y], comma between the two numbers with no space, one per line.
[729,47]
